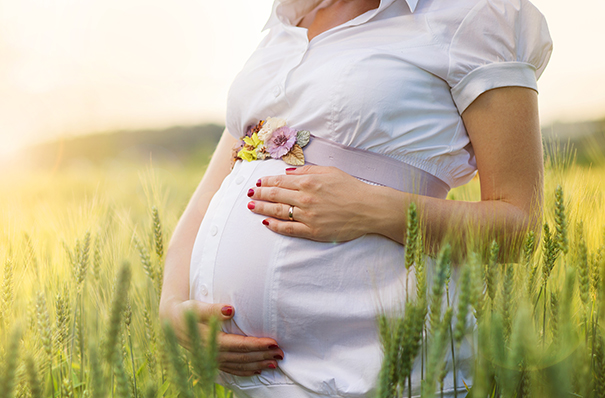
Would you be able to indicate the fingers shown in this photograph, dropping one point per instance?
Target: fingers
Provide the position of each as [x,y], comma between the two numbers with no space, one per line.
[308,169]
[289,181]
[247,369]
[246,356]
[287,188]
[246,344]
[205,311]
[292,179]
[258,356]
[275,195]
[288,228]
[239,355]
[277,210]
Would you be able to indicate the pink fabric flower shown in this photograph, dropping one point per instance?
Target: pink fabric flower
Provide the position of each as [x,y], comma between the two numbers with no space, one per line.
[281,141]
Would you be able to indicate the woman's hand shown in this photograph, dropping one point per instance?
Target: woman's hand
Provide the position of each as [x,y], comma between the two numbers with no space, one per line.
[329,204]
[238,355]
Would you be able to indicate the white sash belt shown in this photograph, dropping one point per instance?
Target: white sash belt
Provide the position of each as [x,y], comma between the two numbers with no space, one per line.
[374,167]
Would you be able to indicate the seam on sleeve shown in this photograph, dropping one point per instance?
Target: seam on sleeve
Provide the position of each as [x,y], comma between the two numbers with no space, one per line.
[490,76]
[449,47]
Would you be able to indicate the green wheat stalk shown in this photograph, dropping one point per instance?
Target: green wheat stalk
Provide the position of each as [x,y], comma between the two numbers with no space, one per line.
[97,259]
[117,307]
[7,296]
[180,378]
[435,360]
[9,372]
[443,263]
[96,374]
[411,242]
[35,387]
[560,237]
[490,271]
[159,248]
[145,258]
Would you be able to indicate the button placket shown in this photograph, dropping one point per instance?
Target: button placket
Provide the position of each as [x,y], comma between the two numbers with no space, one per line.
[297,60]
[220,217]
[296,56]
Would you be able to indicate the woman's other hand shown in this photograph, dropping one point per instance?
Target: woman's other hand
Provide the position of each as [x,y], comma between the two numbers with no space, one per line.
[238,355]
[329,204]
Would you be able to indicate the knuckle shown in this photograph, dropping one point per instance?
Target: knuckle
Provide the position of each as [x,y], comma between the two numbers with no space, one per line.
[306,182]
[242,347]
[276,211]
[272,194]
[310,214]
[306,200]
[289,229]
[242,358]
[238,366]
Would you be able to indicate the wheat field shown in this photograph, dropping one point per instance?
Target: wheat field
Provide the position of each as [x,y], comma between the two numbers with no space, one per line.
[81,259]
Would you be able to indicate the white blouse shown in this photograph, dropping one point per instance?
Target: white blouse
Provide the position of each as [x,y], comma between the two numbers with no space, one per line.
[394,80]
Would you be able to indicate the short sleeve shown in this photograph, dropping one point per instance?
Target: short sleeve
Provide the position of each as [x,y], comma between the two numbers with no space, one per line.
[500,43]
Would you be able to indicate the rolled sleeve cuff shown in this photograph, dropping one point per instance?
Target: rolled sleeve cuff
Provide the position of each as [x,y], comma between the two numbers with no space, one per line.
[490,76]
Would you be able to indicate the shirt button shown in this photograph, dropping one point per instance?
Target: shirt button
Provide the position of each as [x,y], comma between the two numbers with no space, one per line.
[276,91]
[204,290]
[214,230]
[239,180]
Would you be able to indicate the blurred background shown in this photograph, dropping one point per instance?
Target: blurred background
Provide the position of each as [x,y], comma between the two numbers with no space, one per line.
[80,80]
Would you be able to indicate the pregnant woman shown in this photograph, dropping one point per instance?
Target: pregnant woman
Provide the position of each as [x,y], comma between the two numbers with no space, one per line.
[404,99]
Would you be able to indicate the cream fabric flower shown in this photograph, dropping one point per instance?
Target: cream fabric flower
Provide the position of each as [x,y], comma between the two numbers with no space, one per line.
[271,124]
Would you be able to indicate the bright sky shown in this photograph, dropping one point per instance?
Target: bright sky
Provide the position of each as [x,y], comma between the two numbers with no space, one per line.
[78,66]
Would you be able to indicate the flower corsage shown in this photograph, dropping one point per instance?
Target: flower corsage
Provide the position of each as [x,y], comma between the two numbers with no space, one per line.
[271,138]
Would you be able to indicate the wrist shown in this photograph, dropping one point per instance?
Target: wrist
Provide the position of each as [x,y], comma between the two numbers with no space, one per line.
[385,212]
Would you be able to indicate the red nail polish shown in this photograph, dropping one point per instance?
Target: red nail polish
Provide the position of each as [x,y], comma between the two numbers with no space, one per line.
[227,311]
[258,183]
[265,222]
[258,372]
[273,347]
[251,205]
[250,192]
[291,168]
[271,366]
[278,357]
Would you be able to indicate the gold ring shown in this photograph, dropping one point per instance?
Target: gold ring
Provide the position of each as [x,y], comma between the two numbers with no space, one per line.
[291,213]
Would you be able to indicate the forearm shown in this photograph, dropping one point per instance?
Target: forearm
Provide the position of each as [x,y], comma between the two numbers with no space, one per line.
[458,221]
[178,256]
[504,129]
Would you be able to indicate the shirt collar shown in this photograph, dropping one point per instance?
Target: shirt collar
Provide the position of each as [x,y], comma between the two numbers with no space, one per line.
[294,9]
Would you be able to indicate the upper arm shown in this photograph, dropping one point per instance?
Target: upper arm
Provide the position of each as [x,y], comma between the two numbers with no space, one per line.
[218,168]
[504,129]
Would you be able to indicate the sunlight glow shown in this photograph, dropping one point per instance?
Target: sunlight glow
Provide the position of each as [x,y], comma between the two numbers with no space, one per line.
[73,67]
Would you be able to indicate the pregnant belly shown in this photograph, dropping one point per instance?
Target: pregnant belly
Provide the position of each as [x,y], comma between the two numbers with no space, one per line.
[318,300]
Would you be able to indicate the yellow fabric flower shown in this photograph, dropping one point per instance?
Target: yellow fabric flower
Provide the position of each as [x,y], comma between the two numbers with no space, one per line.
[253,141]
[247,155]
[248,152]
